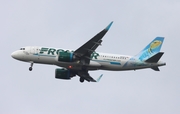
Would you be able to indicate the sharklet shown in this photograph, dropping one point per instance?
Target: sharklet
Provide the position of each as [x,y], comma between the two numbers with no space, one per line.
[108,27]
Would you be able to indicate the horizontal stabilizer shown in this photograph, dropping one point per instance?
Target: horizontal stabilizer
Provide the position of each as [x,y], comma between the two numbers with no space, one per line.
[155,68]
[155,58]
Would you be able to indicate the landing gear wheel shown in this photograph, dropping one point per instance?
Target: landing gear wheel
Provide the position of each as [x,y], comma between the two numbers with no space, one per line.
[81,80]
[30,68]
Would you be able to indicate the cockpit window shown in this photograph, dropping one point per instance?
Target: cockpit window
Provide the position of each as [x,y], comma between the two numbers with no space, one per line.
[22,48]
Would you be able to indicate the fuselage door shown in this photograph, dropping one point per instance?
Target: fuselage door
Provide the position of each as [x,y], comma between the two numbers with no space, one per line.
[32,50]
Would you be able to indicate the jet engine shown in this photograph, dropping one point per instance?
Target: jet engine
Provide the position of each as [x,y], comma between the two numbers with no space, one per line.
[65,56]
[63,74]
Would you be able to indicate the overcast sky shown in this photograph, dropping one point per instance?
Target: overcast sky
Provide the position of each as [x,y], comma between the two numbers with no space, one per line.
[69,24]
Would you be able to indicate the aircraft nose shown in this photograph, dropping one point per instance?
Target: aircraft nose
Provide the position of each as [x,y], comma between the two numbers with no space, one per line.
[14,55]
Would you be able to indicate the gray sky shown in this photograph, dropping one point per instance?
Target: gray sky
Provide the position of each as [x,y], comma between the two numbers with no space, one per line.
[69,24]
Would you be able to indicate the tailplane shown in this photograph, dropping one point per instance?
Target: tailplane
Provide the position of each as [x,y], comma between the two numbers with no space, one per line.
[151,51]
[155,68]
[155,58]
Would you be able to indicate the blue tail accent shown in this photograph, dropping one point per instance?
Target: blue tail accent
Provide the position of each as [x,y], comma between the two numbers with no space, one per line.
[151,49]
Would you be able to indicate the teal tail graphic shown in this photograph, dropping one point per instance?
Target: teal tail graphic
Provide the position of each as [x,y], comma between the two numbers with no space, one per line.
[151,49]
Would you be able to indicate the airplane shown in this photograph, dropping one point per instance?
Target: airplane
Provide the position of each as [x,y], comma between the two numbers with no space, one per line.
[84,59]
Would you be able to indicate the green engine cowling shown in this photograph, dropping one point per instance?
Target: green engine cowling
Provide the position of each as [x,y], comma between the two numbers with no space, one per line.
[63,74]
[65,56]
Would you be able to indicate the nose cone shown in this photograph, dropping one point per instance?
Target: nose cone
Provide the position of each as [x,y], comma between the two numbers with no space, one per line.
[14,55]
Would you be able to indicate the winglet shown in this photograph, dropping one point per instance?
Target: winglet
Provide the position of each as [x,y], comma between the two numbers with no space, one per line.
[99,78]
[108,27]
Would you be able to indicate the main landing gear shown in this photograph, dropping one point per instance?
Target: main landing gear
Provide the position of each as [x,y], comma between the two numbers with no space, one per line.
[81,79]
[30,68]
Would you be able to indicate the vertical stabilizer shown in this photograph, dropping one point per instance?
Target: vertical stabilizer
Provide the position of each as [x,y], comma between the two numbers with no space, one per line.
[151,49]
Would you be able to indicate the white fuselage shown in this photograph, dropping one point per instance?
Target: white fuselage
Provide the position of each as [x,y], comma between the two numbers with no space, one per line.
[101,61]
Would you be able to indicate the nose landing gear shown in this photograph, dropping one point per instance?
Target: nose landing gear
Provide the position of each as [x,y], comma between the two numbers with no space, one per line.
[30,68]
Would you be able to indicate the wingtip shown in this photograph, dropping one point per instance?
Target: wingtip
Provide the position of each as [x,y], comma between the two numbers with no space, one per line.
[108,27]
[99,78]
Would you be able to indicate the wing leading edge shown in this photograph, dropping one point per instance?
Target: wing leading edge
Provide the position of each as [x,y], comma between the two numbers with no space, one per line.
[90,46]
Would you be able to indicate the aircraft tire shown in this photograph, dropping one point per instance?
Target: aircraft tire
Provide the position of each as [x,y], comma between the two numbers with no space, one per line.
[81,80]
[30,68]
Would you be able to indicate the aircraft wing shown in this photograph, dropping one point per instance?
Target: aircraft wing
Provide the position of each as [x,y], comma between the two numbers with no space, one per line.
[87,77]
[85,51]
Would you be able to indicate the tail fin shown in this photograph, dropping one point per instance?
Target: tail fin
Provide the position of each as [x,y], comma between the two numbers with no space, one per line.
[151,49]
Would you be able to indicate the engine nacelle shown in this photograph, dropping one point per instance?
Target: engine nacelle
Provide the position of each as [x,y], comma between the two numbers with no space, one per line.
[65,56]
[63,74]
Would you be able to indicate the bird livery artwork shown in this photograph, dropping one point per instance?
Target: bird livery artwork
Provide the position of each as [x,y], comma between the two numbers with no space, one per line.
[154,45]
[150,50]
